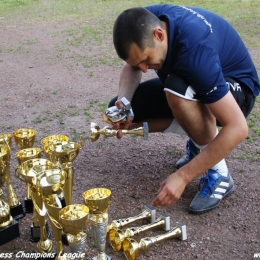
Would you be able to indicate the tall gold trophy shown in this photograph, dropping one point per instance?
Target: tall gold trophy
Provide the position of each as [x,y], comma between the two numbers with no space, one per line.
[74,219]
[26,172]
[47,143]
[9,228]
[95,131]
[22,156]
[50,183]
[132,248]
[24,138]
[117,236]
[98,201]
[63,153]
[16,207]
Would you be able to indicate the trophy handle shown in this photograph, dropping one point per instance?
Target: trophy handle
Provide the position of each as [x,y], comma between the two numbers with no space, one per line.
[17,173]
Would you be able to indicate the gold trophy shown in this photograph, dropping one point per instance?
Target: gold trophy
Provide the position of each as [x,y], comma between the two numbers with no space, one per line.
[47,144]
[49,184]
[22,156]
[132,248]
[74,219]
[98,201]
[16,207]
[63,153]
[95,131]
[149,213]
[24,137]
[117,236]
[9,228]
[26,172]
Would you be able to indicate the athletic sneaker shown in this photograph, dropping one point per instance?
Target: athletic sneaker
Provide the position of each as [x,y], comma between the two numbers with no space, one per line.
[192,151]
[215,188]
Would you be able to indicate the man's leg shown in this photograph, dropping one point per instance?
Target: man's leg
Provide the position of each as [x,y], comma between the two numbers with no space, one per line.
[195,118]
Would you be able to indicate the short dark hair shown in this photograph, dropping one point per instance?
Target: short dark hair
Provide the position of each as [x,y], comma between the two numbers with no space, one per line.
[134,25]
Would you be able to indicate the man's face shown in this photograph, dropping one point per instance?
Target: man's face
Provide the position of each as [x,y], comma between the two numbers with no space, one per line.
[150,58]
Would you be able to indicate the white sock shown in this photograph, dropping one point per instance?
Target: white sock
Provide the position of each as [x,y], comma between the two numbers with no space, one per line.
[175,128]
[220,167]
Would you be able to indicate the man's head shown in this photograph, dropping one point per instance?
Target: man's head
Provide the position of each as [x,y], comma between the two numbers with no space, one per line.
[138,31]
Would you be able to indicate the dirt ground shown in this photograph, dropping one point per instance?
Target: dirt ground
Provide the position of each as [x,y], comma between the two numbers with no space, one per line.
[44,88]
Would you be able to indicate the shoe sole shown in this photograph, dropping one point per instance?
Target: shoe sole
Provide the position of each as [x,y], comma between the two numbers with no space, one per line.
[203,211]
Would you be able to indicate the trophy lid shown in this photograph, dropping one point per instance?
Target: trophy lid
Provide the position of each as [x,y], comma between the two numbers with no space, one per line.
[74,218]
[98,200]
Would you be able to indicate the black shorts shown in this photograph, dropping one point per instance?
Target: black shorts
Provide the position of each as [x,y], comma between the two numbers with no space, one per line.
[149,100]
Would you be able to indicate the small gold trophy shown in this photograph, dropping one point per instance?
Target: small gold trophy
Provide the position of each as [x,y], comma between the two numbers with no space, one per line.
[98,201]
[49,184]
[74,219]
[149,213]
[26,172]
[117,237]
[22,156]
[132,248]
[108,132]
[24,137]
[9,228]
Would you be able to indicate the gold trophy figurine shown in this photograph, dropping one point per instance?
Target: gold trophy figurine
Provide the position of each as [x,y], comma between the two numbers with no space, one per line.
[117,237]
[98,201]
[108,132]
[50,183]
[74,219]
[132,248]
[22,156]
[9,228]
[16,207]
[26,172]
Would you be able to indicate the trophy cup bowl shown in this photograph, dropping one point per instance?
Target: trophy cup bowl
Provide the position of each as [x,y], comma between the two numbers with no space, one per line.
[27,154]
[74,218]
[50,182]
[28,169]
[47,141]
[98,200]
[24,137]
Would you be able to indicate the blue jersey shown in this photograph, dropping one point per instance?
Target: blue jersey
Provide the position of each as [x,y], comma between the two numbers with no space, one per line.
[203,48]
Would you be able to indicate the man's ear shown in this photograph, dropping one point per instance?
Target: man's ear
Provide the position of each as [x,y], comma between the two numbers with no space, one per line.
[159,34]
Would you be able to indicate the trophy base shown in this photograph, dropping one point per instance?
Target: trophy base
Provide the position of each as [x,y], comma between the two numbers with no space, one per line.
[9,233]
[35,233]
[17,211]
[51,257]
[28,205]
[63,203]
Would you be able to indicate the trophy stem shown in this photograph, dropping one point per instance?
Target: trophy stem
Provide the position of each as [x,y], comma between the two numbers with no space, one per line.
[100,232]
[68,185]
[28,191]
[77,243]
